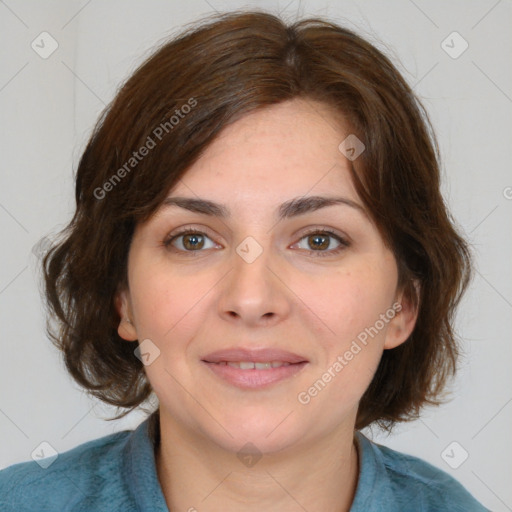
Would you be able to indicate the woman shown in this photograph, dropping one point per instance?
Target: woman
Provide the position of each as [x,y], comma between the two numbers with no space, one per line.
[260,240]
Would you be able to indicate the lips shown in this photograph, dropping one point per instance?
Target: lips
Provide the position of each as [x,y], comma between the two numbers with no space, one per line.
[267,355]
[254,369]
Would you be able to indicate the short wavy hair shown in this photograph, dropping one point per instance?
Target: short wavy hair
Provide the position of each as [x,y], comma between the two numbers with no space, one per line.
[180,99]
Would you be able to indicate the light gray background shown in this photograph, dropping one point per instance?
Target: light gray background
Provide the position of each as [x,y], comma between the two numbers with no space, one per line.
[48,108]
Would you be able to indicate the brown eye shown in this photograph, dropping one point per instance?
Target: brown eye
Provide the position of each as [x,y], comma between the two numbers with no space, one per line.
[190,241]
[322,243]
[318,242]
[193,242]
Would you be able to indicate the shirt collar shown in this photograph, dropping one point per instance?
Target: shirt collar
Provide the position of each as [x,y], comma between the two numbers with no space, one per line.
[372,479]
[140,476]
[139,469]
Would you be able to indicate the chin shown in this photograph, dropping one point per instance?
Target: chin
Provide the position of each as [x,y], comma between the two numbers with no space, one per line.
[266,433]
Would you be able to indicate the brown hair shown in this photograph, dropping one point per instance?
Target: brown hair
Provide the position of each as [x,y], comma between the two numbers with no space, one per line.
[174,105]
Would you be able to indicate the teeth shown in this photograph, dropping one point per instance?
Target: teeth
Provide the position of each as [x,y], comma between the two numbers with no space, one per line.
[249,365]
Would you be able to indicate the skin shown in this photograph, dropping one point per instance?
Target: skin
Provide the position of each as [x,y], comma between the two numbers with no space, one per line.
[291,298]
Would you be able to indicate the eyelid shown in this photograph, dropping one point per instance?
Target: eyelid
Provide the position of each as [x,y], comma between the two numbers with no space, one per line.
[324,229]
[189,228]
[343,240]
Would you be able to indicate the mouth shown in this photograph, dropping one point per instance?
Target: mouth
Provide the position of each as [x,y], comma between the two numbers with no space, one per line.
[251,365]
[253,369]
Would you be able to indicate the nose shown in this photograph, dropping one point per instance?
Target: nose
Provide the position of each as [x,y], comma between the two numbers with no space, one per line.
[254,293]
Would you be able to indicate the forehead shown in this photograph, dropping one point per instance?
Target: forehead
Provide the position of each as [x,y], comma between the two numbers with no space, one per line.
[286,149]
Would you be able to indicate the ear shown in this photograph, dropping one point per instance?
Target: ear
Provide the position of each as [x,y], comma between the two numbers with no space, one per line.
[126,328]
[402,324]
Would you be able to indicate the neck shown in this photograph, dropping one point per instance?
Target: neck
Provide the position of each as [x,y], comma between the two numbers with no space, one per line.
[196,474]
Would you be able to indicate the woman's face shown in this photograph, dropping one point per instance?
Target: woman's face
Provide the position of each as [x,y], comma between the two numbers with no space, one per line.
[265,268]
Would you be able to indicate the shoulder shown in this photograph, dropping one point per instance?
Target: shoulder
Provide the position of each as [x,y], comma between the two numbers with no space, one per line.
[73,481]
[410,483]
[436,489]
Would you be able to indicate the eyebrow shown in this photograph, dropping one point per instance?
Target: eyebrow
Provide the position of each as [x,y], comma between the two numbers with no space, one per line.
[292,208]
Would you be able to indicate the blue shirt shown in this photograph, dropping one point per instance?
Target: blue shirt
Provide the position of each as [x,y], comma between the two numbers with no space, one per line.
[118,473]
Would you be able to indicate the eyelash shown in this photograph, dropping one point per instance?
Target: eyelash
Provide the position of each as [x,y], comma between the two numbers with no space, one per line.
[319,253]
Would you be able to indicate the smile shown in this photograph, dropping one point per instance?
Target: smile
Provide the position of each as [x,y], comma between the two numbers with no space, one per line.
[250,365]
[254,375]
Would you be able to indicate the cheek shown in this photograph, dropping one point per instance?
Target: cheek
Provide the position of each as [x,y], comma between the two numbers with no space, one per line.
[351,301]
[351,335]
[167,311]
[163,302]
